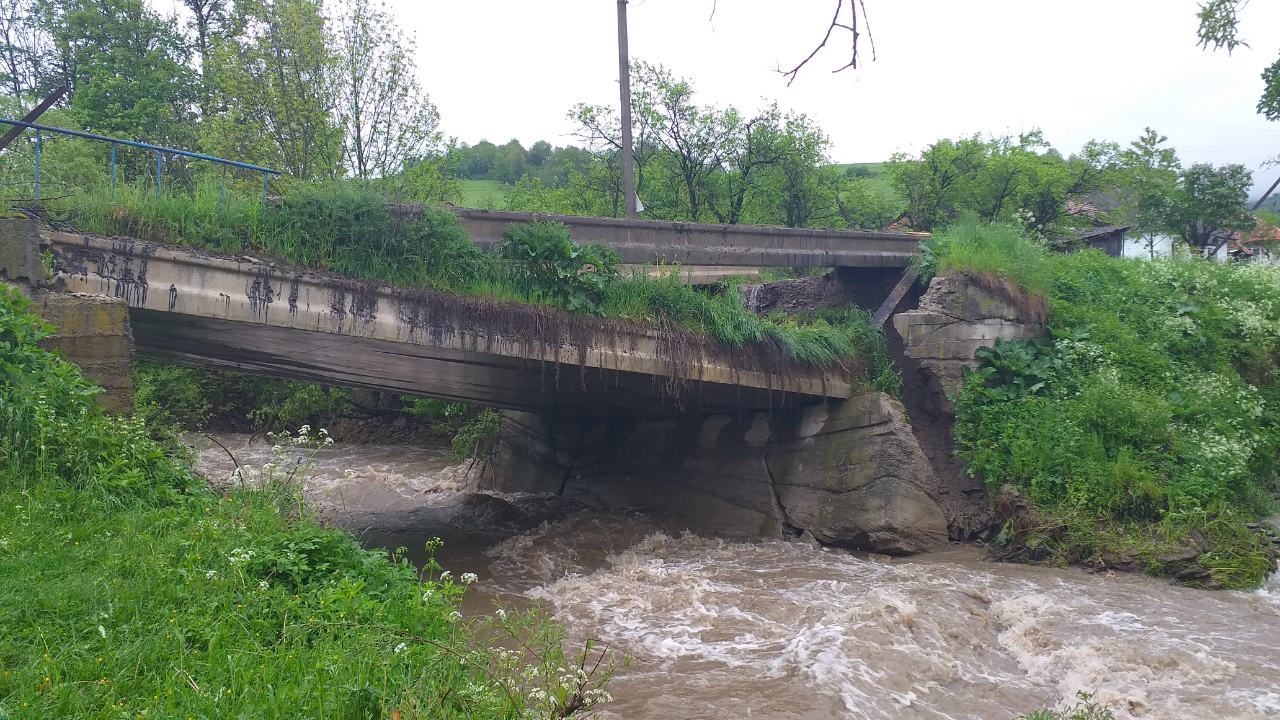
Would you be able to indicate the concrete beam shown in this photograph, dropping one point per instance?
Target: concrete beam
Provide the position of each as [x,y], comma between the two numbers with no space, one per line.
[650,241]
[256,316]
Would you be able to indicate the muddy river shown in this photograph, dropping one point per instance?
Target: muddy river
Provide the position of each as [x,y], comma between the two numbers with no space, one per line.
[721,629]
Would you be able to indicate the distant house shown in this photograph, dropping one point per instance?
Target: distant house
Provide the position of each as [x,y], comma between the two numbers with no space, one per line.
[1107,238]
[1260,243]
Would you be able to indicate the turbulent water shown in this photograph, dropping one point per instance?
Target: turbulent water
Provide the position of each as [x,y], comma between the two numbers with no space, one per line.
[736,630]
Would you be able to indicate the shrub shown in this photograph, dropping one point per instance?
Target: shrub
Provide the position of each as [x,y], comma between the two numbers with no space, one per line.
[1084,709]
[550,267]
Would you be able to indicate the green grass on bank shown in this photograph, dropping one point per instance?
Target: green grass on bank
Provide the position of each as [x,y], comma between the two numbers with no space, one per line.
[345,227]
[483,194]
[128,589]
[1148,420]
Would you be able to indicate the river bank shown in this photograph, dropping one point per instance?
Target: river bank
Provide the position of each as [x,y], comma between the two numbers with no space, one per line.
[770,629]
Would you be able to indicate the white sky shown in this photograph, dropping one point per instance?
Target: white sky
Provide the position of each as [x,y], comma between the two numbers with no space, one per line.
[1086,69]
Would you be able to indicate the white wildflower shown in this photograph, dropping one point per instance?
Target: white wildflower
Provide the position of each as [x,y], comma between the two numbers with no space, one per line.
[502,614]
[263,585]
[469,577]
[210,574]
[446,576]
[455,615]
[399,648]
[102,631]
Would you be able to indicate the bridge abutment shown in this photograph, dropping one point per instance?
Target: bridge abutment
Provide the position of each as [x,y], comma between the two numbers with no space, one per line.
[91,331]
[850,473]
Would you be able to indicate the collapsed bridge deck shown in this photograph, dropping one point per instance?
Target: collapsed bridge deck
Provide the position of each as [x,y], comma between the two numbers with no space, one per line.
[257,316]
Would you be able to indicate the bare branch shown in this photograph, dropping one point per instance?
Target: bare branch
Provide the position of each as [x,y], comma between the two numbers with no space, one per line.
[836,24]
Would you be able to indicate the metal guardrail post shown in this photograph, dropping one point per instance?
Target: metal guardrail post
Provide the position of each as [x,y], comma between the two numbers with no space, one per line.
[265,177]
[113,171]
[159,168]
[39,147]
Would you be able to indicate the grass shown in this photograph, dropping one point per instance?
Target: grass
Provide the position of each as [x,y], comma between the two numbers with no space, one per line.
[483,194]
[345,227]
[877,176]
[128,589]
[1145,424]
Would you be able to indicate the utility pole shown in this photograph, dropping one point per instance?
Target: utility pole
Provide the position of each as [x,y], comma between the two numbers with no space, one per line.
[624,90]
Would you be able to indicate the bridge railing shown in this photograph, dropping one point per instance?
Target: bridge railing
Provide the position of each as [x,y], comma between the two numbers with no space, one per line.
[159,150]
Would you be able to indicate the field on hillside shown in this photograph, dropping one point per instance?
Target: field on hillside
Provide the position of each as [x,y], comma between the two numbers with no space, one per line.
[877,174]
[483,194]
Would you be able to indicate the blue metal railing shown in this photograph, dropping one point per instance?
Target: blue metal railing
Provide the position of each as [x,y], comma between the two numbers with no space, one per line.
[157,149]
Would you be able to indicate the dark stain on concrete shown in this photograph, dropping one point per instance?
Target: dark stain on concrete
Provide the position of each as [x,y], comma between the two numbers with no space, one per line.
[260,292]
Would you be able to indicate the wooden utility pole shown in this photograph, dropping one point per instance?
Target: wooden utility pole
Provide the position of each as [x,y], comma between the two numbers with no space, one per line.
[624,91]
[32,116]
[1267,194]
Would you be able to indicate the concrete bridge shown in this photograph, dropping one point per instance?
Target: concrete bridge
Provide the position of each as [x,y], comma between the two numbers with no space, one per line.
[615,414]
[256,316]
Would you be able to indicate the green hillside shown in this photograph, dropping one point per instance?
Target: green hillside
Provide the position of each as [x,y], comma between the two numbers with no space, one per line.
[483,194]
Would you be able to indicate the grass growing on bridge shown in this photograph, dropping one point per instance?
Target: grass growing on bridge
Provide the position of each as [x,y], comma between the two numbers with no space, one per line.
[346,227]
[128,589]
[1145,423]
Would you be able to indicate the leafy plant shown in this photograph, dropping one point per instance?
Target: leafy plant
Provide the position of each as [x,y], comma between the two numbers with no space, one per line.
[552,268]
[1084,709]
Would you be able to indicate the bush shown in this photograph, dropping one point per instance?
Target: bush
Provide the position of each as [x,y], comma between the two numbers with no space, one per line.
[1084,709]
[174,397]
[550,267]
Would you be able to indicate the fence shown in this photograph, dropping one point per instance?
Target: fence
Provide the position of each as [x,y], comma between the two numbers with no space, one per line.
[116,142]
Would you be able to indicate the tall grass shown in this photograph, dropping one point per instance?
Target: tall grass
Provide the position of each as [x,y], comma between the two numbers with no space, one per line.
[994,249]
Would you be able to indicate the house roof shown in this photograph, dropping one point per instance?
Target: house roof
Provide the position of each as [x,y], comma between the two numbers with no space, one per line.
[1095,232]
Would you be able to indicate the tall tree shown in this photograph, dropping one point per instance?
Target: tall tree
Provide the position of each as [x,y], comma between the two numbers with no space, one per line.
[276,79]
[1026,181]
[1210,204]
[386,117]
[128,69]
[1147,181]
[28,58]
[209,22]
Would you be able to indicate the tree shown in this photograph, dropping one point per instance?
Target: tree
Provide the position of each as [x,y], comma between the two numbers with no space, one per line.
[128,68]
[1148,179]
[28,58]
[1210,204]
[275,77]
[385,116]
[208,20]
[1025,181]
[1220,27]
[539,153]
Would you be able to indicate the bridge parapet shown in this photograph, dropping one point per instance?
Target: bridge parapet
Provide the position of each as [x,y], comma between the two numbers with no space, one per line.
[653,241]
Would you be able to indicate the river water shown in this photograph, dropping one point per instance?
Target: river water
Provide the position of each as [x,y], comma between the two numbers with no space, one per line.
[721,629]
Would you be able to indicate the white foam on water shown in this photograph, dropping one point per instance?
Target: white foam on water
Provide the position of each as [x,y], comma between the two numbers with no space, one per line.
[708,618]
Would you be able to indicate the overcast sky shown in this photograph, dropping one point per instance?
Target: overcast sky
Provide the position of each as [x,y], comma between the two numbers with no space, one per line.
[1102,69]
